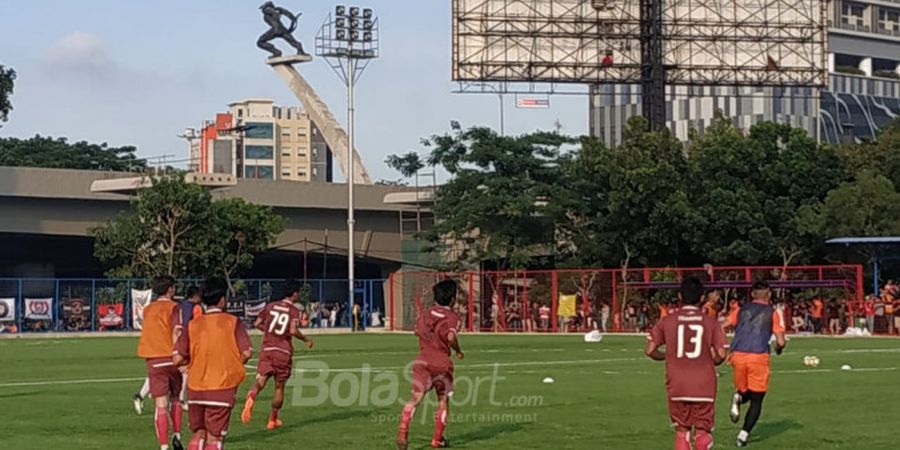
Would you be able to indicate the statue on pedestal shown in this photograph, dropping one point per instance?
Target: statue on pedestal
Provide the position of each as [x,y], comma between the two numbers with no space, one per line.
[272,16]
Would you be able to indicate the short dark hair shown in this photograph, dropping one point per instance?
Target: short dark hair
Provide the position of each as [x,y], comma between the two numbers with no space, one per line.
[162,284]
[192,291]
[691,290]
[290,287]
[444,292]
[213,290]
[760,285]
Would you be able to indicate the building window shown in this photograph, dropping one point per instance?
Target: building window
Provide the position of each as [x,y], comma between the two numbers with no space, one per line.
[285,172]
[240,112]
[889,19]
[259,172]
[315,132]
[315,152]
[259,130]
[258,152]
[301,172]
[301,151]
[285,151]
[853,14]
[315,172]
[301,131]
[285,131]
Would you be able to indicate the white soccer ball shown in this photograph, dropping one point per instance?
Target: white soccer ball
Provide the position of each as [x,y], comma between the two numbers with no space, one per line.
[846,367]
[811,361]
[548,380]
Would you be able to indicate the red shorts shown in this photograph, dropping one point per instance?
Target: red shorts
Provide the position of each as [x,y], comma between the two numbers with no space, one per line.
[275,364]
[693,414]
[430,375]
[213,419]
[165,378]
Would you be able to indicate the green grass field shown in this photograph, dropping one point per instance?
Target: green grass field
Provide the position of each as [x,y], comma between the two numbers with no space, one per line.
[75,394]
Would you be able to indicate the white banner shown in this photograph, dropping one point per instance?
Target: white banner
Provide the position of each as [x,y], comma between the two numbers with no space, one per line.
[7,310]
[39,308]
[139,299]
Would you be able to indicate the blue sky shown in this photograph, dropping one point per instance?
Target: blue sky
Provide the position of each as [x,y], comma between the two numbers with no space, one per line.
[140,72]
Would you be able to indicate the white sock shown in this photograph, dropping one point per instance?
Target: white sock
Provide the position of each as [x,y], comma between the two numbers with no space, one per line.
[743,436]
[177,435]
[163,447]
[145,389]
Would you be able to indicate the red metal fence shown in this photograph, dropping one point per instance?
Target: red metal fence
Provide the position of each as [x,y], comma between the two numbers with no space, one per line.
[577,300]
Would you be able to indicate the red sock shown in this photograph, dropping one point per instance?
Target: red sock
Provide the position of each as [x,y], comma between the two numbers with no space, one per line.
[440,422]
[196,443]
[682,440]
[703,440]
[252,394]
[405,418]
[162,426]
[177,416]
[274,416]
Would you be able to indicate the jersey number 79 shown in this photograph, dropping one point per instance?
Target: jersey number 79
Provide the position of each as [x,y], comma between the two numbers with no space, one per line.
[279,323]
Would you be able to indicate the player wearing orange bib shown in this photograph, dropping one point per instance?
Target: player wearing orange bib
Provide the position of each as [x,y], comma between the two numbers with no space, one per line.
[215,348]
[161,328]
[755,323]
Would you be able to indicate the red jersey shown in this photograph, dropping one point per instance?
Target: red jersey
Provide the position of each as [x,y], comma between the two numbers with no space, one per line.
[432,328]
[277,318]
[690,338]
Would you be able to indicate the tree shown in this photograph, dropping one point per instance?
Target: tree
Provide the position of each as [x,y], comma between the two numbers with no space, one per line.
[42,151]
[408,164]
[625,204]
[495,205]
[7,81]
[881,156]
[747,188]
[175,228]
[866,206]
[162,234]
[237,231]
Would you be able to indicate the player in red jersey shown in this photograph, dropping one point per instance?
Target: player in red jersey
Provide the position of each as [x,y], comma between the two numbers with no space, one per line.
[695,345]
[279,322]
[437,329]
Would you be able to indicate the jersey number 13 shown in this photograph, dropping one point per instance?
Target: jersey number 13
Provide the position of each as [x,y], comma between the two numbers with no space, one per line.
[694,339]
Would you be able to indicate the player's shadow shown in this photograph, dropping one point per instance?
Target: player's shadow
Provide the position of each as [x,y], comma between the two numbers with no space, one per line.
[485,433]
[768,430]
[293,425]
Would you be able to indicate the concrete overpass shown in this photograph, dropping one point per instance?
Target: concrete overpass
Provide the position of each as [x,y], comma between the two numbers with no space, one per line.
[56,203]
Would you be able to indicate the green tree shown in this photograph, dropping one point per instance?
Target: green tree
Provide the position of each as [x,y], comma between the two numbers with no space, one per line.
[163,233]
[42,151]
[747,188]
[625,205]
[881,156]
[7,83]
[866,206]
[237,231]
[495,205]
[175,228]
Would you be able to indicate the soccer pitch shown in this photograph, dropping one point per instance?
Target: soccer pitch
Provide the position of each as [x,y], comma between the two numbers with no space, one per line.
[76,394]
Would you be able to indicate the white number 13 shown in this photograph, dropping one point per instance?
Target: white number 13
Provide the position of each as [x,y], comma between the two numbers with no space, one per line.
[279,323]
[696,340]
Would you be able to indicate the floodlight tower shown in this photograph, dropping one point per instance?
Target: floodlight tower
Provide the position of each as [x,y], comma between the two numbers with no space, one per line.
[348,40]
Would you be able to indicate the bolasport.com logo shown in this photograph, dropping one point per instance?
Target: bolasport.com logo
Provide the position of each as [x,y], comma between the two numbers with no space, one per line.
[315,384]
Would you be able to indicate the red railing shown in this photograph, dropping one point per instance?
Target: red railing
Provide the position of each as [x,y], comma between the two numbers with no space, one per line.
[582,299]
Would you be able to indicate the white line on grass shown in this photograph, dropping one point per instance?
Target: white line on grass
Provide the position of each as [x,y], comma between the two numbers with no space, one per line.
[63,382]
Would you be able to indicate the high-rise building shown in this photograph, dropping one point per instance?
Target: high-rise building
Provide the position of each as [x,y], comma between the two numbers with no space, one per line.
[256,139]
[863,92]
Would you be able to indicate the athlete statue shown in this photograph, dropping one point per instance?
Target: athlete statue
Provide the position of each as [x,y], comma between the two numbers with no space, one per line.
[272,16]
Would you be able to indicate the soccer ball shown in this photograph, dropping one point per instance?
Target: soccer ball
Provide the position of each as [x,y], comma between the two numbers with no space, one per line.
[811,361]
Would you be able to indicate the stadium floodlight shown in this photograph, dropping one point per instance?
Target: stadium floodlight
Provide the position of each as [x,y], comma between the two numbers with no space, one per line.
[348,51]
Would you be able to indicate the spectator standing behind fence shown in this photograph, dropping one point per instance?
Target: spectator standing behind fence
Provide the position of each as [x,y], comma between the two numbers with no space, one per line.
[604,317]
[818,313]
[544,314]
[869,310]
[834,317]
